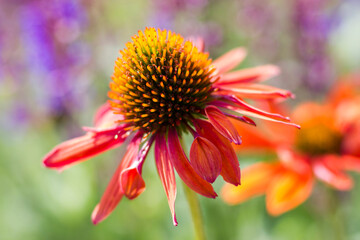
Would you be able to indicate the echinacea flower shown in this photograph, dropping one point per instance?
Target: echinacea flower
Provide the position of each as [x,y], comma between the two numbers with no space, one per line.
[162,88]
[325,147]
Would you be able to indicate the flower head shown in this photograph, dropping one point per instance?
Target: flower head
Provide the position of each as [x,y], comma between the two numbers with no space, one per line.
[163,87]
[324,149]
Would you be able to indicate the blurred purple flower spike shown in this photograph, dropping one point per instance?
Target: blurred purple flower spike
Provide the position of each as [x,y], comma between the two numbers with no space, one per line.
[50,32]
[313,25]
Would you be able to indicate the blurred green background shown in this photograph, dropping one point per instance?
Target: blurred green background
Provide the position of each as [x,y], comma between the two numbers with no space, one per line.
[56,59]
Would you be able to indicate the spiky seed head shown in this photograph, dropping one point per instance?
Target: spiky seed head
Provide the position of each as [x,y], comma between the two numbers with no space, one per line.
[161,80]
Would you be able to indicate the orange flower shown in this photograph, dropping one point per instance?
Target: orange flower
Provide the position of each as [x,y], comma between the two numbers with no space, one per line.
[326,146]
[163,87]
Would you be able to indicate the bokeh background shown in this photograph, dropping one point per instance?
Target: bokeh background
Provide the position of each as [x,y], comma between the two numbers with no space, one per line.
[56,59]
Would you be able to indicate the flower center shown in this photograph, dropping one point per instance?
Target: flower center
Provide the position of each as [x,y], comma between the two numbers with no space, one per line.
[160,81]
[318,138]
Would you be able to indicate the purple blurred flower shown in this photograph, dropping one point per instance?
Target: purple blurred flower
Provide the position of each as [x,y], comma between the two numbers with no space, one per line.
[53,51]
[165,11]
[312,26]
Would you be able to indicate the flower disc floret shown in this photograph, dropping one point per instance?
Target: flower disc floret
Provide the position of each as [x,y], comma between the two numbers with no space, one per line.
[161,80]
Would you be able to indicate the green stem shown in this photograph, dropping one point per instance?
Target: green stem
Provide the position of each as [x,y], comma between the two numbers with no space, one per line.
[336,216]
[195,212]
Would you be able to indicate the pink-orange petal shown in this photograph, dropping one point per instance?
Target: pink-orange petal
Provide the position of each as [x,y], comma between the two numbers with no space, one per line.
[229,60]
[165,169]
[205,159]
[249,75]
[254,91]
[287,191]
[230,169]
[255,181]
[326,169]
[131,181]
[184,169]
[257,113]
[222,124]
[113,194]
[105,118]
[348,162]
[82,148]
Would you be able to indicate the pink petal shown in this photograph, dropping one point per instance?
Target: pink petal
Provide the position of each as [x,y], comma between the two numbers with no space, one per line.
[326,170]
[166,172]
[253,91]
[229,60]
[245,109]
[105,118]
[230,170]
[205,158]
[131,181]
[113,193]
[184,169]
[350,163]
[82,148]
[249,75]
[222,124]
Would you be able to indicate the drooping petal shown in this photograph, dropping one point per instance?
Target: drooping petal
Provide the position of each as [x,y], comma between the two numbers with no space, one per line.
[253,138]
[229,60]
[254,91]
[205,158]
[348,162]
[325,168]
[255,181]
[255,113]
[249,75]
[222,124]
[287,191]
[82,148]
[165,169]
[113,194]
[185,170]
[131,181]
[230,169]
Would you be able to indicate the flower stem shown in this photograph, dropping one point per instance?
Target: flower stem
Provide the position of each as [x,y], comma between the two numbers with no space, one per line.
[195,212]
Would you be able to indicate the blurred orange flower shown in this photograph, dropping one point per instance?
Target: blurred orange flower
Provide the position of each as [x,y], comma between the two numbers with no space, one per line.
[326,146]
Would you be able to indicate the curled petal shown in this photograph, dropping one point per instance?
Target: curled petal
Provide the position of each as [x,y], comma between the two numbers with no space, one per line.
[229,60]
[327,170]
[205,158]
[185,170]
[222,124]
[113,194]
[256,180]
[243,119]
[230,169]
[131,181]
[254,112]
[249,75]
[166,172]
[82,148]
[255,91]
[287,191]
[105,118]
